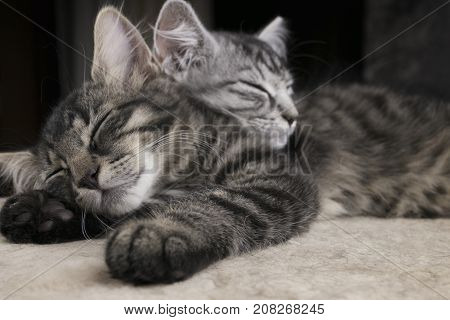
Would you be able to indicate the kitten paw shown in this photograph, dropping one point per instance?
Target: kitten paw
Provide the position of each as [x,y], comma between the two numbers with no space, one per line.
[34,217]
[155,251]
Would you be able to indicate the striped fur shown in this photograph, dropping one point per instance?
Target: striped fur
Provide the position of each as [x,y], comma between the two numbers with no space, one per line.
[183,185]
[382,153]
[19,171]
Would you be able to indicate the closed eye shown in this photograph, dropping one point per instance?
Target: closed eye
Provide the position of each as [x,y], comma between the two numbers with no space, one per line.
[256,86]
[54,173]
[97,127]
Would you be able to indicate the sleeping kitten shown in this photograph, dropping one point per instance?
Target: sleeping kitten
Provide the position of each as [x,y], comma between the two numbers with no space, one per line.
[370,151]
[116,146]
[239,74]
[245,76]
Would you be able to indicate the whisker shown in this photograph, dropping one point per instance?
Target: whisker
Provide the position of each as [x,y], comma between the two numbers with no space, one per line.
[102,222]
[83,225]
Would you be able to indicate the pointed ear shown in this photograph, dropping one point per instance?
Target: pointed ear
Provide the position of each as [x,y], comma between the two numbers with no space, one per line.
[121,55]
[275,35]
[180,39]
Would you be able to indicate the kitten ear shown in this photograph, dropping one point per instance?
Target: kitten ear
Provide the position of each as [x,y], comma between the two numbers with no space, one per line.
[180,39]
[121,55]
[275,34]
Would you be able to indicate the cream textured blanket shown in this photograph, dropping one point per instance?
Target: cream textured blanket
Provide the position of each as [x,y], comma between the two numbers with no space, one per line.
[346,258]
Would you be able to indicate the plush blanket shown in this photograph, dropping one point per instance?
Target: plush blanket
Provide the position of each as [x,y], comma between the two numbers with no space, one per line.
[346,258]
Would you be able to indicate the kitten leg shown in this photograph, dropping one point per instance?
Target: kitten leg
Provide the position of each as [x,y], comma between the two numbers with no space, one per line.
[158,250]
[191,233]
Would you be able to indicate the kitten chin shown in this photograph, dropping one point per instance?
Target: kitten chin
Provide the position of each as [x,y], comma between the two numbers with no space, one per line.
[120,200]
[277,132]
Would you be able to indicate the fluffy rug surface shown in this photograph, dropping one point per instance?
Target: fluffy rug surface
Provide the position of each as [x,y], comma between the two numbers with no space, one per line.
[345,258]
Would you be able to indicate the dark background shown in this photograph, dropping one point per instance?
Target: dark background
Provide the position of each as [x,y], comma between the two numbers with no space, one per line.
[327,37]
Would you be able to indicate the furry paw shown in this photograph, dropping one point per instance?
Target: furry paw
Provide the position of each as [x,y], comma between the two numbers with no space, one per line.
[155,251]
[33,217]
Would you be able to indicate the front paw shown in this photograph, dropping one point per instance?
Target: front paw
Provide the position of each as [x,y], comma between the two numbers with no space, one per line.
[155,251]
[34,217]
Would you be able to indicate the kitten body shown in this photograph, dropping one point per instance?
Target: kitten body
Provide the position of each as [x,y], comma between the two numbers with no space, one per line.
[383,154]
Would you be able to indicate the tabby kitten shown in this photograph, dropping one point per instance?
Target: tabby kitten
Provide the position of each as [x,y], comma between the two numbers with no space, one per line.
[242,75]
[360,125]
[138,150]
[195,197]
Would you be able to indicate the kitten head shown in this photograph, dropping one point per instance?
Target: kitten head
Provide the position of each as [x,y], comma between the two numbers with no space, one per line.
[91,147]
[239,74]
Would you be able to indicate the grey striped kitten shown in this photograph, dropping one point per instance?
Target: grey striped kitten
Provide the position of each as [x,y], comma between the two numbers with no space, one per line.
[208,64]
[199,192]
[180,183]
[242,75]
